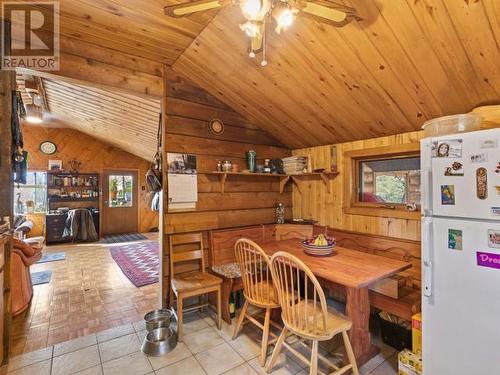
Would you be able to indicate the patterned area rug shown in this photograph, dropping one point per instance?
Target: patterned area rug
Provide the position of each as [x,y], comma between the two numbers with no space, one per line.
[42,277]
[139,262]
[54,257]
[127,237]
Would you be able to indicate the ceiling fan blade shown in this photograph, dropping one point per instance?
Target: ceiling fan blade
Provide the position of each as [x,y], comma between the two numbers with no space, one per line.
[181,10]
[327,12]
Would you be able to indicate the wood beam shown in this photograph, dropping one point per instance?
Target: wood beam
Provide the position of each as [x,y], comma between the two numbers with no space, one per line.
[7,87]
[164,244]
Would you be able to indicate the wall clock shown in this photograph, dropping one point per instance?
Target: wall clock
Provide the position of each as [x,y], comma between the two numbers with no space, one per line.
[216,126]
[48,147]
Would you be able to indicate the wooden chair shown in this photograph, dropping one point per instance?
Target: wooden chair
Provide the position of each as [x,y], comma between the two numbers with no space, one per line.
[258,288]
[189,247]
[305,314]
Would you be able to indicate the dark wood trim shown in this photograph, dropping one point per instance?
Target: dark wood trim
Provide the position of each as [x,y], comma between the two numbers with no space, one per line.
[7,87]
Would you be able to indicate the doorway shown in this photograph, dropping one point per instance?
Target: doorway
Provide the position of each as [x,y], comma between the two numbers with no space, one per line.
[120,208]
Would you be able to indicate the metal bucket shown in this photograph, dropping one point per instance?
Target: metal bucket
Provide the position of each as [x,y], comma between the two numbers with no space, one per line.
[160,318]
[159,342]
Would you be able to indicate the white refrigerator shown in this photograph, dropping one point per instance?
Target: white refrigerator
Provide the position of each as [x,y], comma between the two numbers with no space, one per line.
[460,177]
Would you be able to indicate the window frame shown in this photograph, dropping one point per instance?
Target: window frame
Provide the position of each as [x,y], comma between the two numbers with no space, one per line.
[352,161]
[31,186]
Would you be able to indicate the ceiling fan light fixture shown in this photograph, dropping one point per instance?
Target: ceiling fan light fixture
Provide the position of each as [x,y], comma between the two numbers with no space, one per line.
[252,29]
[284,16]
[34,113]
[255,10]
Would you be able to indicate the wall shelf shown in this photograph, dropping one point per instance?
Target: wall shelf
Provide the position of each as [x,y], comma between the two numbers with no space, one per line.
[72,199]
[325,177]
[284,179]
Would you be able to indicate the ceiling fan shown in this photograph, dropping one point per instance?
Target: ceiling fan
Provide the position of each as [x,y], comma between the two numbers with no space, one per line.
[259,13]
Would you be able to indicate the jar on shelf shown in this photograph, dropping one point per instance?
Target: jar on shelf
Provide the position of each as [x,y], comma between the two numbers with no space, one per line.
[227,165]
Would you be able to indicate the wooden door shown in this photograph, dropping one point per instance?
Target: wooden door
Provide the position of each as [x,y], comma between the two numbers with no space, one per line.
[120,206]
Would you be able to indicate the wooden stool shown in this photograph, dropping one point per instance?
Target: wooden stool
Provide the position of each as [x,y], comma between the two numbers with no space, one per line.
[305,313]
[191,284]
[258,289]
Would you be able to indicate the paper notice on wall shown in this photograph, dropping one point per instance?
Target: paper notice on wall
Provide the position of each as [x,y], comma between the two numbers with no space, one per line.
[182,188]
[182,181]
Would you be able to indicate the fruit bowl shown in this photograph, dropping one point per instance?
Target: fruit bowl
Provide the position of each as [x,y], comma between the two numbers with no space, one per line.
[319,246]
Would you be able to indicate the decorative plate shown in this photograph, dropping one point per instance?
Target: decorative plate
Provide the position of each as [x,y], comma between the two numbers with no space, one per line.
[216,126]
[48,147]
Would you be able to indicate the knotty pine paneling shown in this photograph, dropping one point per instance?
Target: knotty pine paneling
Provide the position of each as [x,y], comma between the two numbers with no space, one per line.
[403,63]
[95,157]
[314,201]
[247,200]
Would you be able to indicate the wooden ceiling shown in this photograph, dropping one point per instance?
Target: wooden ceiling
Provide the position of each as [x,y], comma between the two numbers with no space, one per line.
[125,121]
[137,27]
[407,61]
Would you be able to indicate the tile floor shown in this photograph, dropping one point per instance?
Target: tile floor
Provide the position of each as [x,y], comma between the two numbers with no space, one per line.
[204,351]
[88,293]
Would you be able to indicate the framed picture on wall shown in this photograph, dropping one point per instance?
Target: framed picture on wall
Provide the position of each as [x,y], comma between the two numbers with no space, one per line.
[55,165]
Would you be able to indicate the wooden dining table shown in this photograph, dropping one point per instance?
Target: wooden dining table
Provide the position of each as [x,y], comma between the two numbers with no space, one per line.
[356,271]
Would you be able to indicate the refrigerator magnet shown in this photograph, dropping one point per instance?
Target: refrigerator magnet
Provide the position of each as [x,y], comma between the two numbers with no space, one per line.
[490,260]
[497,188]
[448,195]
[456,169]
[455,239]
[489,143]
[482,183]
[495,211]
[494,238]
[451,148]
[479,158]
[497,170]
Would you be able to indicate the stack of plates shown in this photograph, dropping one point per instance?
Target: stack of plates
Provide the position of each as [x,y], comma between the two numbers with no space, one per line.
[294,164]
[319,250]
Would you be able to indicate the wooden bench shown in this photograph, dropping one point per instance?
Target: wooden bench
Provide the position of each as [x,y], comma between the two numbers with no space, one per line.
[222,259]
[222,253]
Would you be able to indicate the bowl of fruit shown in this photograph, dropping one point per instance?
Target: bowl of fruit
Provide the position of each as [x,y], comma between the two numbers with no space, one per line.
[319,245]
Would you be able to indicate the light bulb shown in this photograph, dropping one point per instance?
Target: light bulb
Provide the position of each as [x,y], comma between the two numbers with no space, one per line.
[34,113]
[252,29]
[284,17]
[33,120]
[251,8]
[263,63]
[251,55]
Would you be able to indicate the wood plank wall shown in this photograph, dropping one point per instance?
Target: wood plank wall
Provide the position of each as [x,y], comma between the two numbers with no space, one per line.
[314,201]
[248,200]
[95,157]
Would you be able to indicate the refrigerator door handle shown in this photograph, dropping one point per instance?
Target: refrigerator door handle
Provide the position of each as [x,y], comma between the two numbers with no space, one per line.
[427,241]
[427,193]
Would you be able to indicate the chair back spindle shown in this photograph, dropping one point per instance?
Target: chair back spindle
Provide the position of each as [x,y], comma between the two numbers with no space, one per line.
[255,272]
[300,295]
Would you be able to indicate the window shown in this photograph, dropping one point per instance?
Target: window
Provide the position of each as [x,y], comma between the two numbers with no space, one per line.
[120,191]
[391,181]
[383,181]
[32,196]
